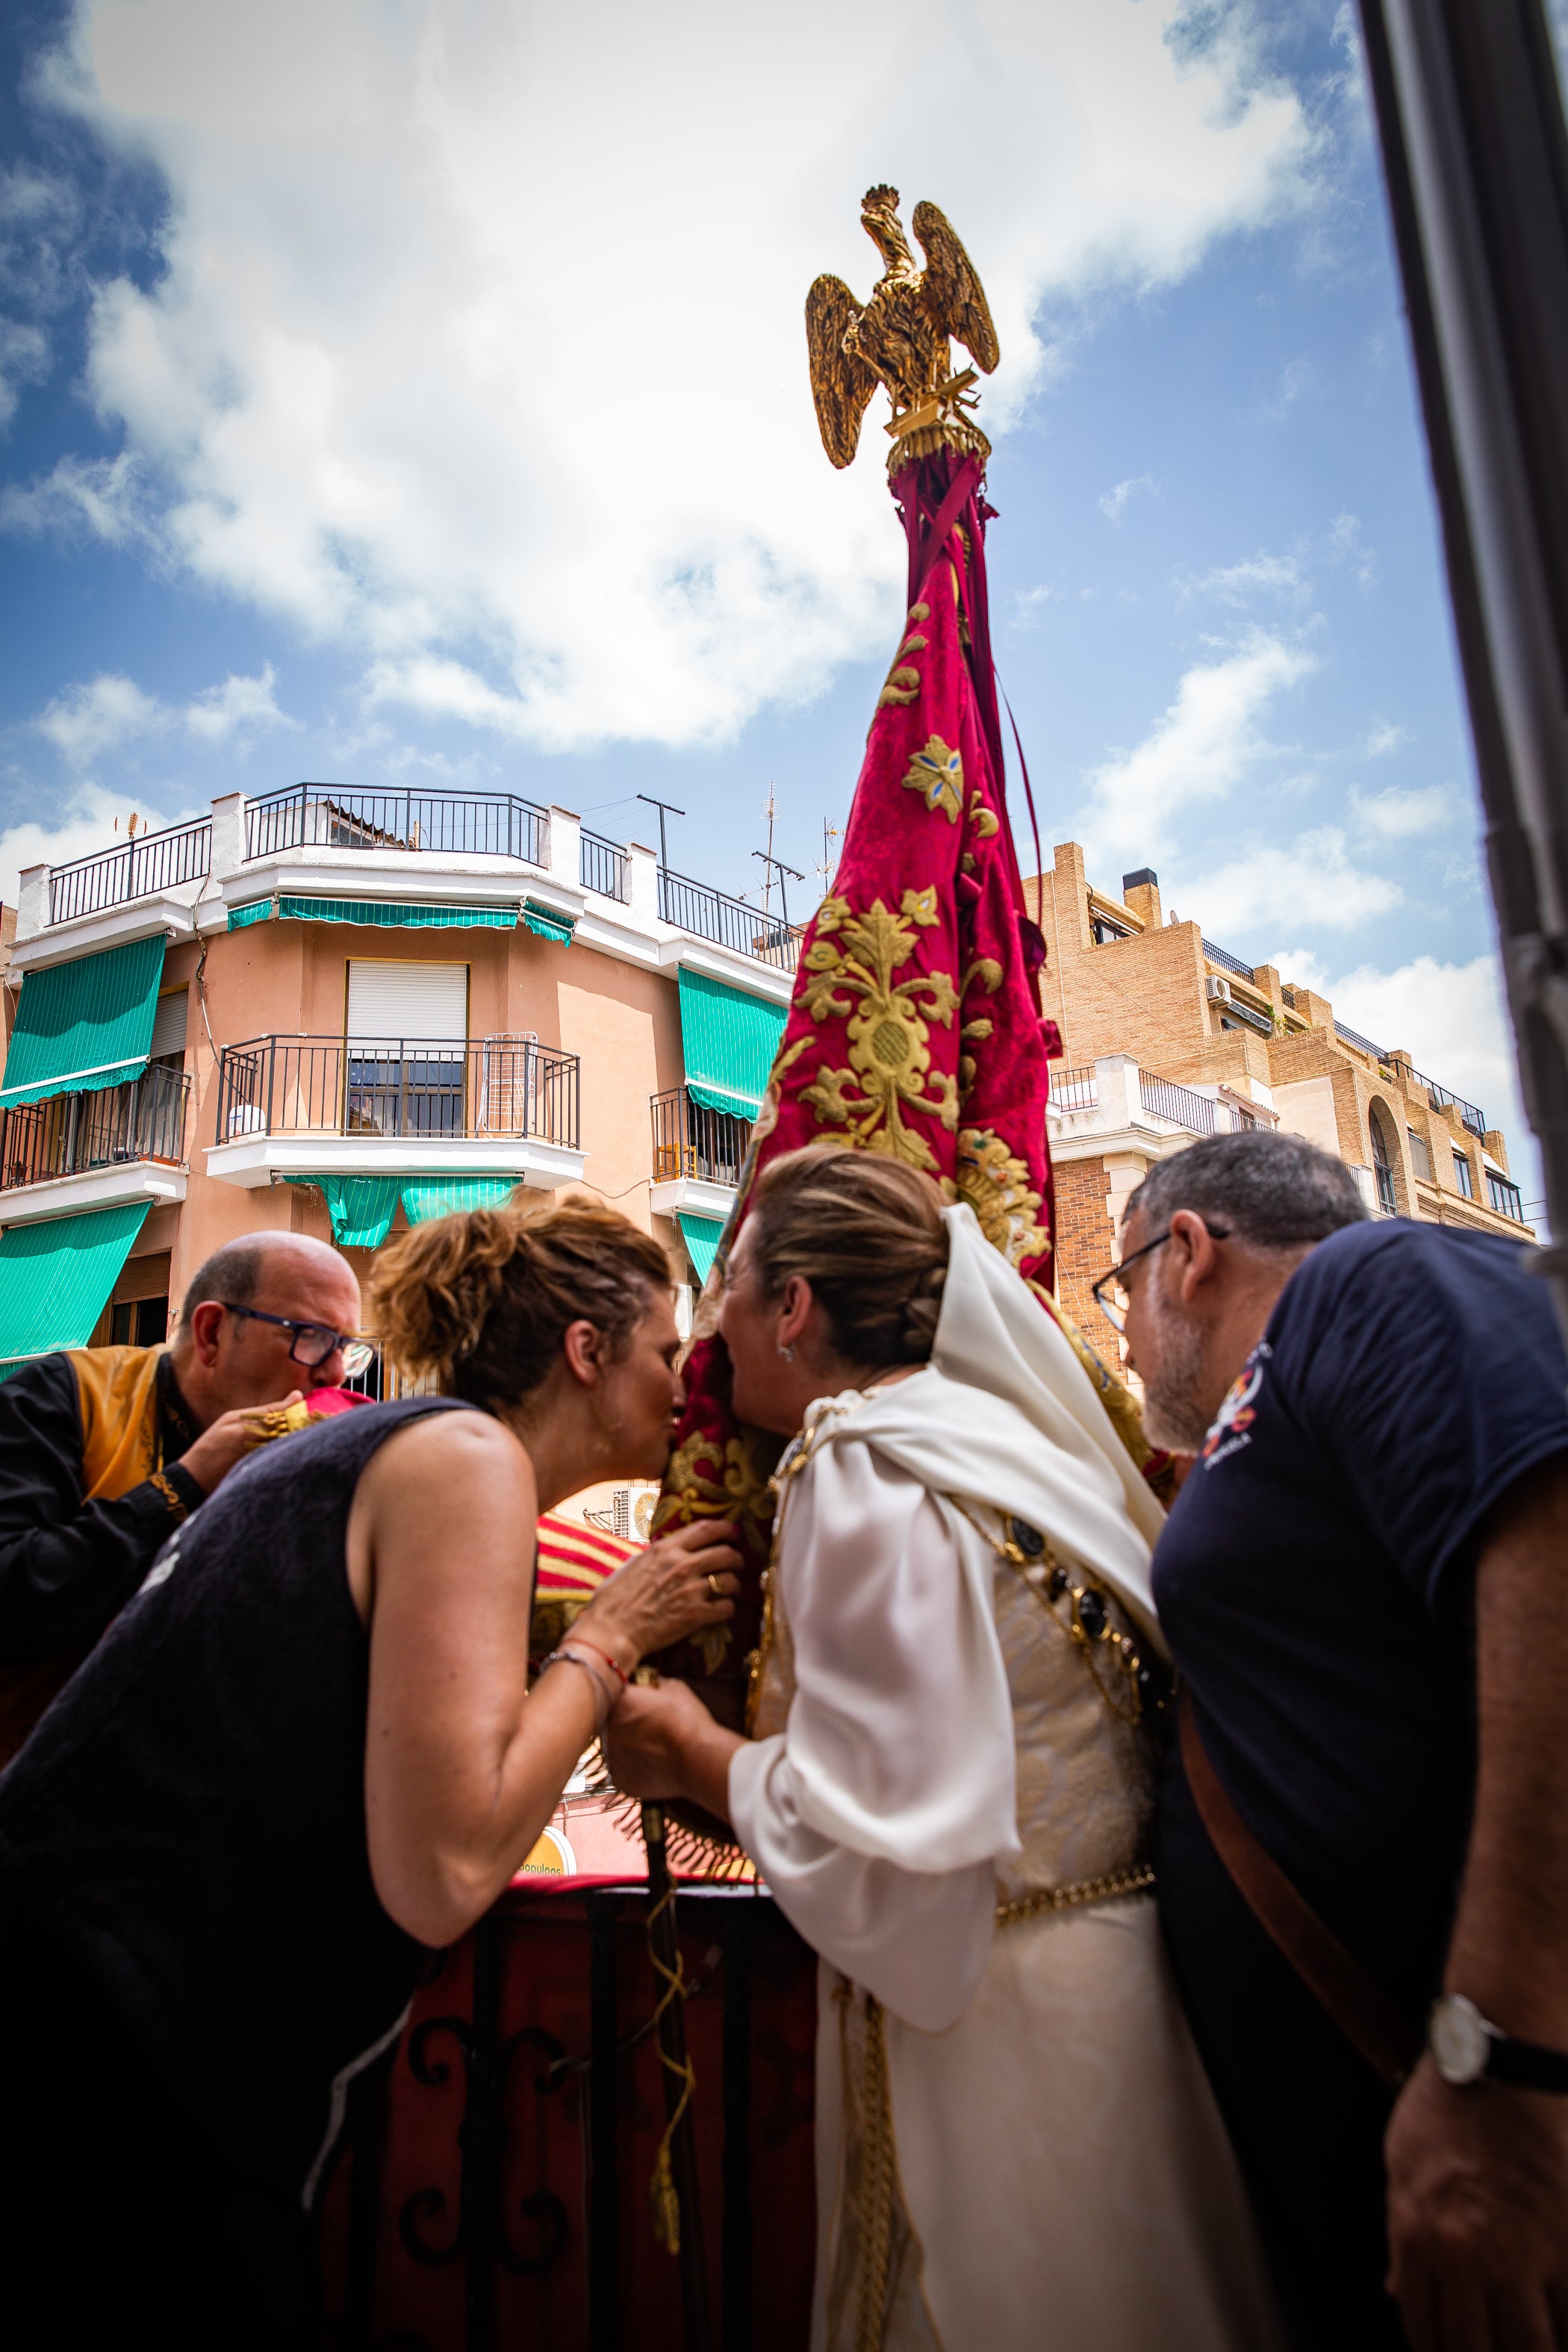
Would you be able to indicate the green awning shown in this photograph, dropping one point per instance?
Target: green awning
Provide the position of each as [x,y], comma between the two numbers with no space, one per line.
[85,1025]
[379,914]
[703,1235]
[548,923]
[730,1040]
[55,1276]
[425,1197]
[362,1208]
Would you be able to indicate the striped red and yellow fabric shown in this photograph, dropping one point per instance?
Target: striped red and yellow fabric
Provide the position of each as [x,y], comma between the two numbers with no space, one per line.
[572,1562]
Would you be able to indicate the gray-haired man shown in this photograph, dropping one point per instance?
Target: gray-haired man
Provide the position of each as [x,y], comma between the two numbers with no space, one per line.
[1365,1584]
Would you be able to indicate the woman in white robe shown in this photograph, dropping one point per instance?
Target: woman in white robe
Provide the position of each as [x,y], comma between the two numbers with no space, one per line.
[948,1793]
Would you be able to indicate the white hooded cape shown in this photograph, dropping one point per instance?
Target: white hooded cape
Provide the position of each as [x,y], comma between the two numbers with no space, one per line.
[879,1815]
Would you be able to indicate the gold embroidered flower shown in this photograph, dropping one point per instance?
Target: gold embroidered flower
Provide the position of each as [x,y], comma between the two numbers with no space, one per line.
[937,774]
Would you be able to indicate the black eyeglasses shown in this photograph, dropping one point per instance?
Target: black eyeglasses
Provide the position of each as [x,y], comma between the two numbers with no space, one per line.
[313,1342]
[1104,1292]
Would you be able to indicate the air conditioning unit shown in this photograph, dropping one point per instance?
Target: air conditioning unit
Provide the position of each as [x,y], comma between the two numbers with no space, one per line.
[1218,991]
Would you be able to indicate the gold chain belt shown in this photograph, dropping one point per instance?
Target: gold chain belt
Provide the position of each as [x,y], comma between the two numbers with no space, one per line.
[1069,1898]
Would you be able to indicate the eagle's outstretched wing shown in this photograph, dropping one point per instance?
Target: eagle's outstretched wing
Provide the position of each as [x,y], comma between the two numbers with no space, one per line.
[953,291]
[841,383]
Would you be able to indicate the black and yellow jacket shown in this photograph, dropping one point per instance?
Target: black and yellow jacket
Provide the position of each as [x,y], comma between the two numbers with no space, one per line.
[91,1488]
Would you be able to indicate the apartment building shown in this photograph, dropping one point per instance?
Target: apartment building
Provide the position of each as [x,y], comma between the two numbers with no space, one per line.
[340,1012]
[1167,1037]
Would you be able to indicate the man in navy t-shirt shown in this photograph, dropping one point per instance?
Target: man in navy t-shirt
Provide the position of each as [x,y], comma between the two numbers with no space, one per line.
[1369,1558]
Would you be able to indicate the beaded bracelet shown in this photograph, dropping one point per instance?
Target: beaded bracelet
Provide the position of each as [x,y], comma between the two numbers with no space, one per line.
[575,1658]
[610,1661]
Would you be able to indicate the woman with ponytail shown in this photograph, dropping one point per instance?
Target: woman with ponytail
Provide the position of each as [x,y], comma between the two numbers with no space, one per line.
[949,1789]
[306,1756]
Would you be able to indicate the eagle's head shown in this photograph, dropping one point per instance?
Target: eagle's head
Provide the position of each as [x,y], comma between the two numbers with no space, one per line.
[879,219]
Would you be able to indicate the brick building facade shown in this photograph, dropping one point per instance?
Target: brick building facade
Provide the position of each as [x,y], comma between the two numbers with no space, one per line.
[1166,1036]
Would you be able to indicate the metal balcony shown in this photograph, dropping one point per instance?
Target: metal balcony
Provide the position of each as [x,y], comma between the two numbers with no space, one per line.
[708,1147]
[70,1134]
[452,825]
[604,867]
[709,914]
[403,1086]
[138,869]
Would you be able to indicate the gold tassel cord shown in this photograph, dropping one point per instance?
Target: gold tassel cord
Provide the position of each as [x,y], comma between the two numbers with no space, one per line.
[666,2203]
[875,2183]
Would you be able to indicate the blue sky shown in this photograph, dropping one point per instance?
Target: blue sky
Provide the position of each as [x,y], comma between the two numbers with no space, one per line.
[418,391]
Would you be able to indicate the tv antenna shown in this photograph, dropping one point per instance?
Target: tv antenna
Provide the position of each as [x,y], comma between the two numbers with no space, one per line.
[662,806]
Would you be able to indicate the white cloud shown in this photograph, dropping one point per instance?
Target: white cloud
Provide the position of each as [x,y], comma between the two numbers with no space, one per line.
[87,823]
[1347,546]
[1207,742]
[1311,879]
[478,341]
[1395,816]
[105,712]
[1452,1021]
[239,702]
[24,359]
[1236,584]
[1384,738]
[108,712]
[1115,502]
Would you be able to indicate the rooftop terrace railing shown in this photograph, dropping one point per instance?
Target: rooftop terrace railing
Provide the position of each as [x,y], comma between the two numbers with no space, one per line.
[709,914]
[1165,1100]
[1230,962]
[605,867]
[66,1134]
[398,1086]
[1354,1038]
[1075,1087]
[460,825]
[1470,1115]
[109,877]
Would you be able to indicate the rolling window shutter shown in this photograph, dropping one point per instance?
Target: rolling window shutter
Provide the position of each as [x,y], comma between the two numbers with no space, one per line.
[425,1004]
[169,1023]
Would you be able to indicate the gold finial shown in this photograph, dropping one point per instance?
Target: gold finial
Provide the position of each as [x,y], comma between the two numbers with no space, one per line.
[901,338]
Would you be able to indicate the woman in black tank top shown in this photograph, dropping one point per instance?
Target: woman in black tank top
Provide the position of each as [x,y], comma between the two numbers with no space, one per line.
[301,1758]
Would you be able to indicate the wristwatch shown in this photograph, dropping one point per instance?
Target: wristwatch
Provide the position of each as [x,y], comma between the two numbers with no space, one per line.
[1467,2048]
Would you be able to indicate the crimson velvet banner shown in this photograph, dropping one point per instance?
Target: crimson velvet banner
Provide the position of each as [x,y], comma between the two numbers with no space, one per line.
[915,1026]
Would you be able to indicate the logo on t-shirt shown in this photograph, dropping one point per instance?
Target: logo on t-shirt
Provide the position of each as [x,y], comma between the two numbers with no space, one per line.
[1236,1416]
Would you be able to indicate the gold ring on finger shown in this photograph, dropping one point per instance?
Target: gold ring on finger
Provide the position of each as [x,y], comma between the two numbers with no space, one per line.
[714,1587]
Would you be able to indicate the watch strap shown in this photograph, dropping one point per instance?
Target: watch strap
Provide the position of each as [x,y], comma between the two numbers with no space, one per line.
[1526,2063]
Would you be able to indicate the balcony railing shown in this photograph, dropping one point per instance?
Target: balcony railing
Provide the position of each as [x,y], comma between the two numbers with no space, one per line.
[602,867]
[688,1139]
[398,1086]
[1229,962]
[460,824]
[1164,1099]
[1075,1090]
[711,914]
[1354,1038]
[1440,1098]
[181,853]
[69,1134]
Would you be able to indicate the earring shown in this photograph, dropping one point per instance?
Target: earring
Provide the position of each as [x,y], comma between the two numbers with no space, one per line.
[788,1355]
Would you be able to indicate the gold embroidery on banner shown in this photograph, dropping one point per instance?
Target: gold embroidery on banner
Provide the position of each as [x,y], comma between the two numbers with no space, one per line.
[855,956]
[983,819]
[903,680]
[937,774]
[702,1484]
[995,1183]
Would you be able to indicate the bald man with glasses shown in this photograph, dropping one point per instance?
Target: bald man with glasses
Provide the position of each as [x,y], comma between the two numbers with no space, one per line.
[104,1451]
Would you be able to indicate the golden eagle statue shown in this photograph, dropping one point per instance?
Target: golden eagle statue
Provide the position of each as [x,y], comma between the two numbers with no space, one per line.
[901,338]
